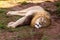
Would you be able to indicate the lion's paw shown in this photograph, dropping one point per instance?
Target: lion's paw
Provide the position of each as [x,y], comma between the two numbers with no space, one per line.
[10,25]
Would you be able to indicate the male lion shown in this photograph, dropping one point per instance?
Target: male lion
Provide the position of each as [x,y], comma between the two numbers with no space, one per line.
[36,16]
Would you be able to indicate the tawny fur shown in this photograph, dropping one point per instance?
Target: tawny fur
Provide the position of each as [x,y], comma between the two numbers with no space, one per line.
[41,15]
[25,11]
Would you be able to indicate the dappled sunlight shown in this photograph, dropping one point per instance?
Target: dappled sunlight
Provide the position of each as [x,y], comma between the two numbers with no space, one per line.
[11,3]
[7,4]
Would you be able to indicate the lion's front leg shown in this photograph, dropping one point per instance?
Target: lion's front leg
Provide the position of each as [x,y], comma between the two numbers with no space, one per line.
[18,22]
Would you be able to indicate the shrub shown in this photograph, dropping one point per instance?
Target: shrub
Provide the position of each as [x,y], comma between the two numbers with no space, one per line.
[24,3]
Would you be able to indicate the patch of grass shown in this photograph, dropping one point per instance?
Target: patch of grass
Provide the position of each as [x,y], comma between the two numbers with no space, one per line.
[2,26]
[58,8]
[11,29]
[57,4]
[2,17]
[3,10]
[44,38]
[58,11]
[26,34]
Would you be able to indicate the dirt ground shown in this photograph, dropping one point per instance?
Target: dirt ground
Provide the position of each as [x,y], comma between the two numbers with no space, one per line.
[27,33]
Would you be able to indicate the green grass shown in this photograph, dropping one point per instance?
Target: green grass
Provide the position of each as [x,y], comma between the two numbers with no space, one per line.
[2,17]
[58,8]
[22,32]
[57,4]
[45,38]
[58,11]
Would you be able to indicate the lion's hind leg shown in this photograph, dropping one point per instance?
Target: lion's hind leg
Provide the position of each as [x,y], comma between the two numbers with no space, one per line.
[10,13]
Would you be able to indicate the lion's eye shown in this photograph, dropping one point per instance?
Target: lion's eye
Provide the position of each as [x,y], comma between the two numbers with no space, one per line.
[37,25]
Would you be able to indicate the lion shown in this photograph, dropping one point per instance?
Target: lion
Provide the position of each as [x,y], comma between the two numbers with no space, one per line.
[34,16]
